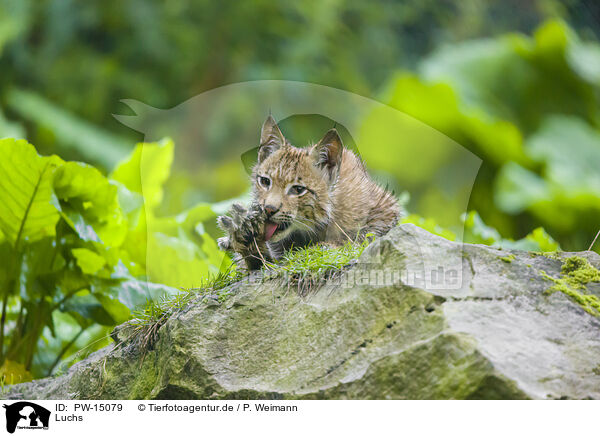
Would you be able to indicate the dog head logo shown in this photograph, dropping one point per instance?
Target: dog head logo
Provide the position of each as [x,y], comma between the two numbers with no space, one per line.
[26,415]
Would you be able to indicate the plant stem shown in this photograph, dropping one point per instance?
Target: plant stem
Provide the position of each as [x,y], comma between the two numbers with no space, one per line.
[17,336]
[2,321]
[594,241]
[17,257]
[64,350]
[66,297]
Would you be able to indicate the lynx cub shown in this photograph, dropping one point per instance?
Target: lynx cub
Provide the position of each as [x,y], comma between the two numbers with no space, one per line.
[319,194]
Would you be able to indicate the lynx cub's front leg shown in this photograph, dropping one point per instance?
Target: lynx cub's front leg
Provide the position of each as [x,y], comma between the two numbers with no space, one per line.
[245,238]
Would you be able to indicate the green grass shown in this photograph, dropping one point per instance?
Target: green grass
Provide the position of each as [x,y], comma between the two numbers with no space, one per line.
[304,269]
[146,322]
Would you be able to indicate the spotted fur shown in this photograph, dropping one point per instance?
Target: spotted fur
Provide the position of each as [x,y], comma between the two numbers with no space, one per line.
[319,194]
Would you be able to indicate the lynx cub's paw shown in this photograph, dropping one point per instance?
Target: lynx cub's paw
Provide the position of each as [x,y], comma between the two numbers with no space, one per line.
[245,229]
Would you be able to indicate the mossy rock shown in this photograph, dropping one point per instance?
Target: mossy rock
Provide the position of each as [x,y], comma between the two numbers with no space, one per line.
[494,333]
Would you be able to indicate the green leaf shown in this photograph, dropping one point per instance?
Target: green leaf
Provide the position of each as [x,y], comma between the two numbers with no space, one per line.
[117,310]
[503,78]
[177,261]
[88,307]
[477,232]
[565,196]
[186,221]
[132,204]
[39,265]
[89,203]
[6,253]
[584,58]
[98,307]
[544,241]
[88,261]
[430,225]
[146,170]
[27,201]
[517,188]
[14,372]
[79,224]
[570,150]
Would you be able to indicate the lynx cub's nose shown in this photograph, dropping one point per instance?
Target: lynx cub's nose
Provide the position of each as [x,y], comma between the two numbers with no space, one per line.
[271,210]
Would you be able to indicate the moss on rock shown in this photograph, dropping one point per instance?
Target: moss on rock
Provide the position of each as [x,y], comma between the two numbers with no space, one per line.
[508,259]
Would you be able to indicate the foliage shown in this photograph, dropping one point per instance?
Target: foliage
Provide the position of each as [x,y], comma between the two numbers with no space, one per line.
[81,251]
[89,55]
[430,225]
[72,250]
[528,106]
[477,232]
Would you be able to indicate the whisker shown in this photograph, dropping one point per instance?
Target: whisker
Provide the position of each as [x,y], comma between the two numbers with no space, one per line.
[310,229]
[342,230]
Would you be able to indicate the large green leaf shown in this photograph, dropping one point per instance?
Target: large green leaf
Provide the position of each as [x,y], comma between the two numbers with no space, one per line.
[570,150]
[146,170]
[40,263]
[27,200]
[87,306]
[89,203]
[178,261]
[440,106]
[566,196]
[89,261]
[517,188]
[87,337]
[117,310]
[517,78]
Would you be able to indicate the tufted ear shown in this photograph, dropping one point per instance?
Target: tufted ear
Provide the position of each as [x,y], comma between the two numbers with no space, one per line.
[271,139]
[327,154]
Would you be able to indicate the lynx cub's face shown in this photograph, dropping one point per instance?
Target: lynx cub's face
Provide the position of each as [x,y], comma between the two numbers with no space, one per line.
[294,184]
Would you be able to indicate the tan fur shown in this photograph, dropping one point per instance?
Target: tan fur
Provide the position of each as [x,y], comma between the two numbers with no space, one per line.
[340,201]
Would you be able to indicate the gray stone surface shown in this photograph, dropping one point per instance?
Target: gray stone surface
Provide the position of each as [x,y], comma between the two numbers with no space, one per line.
[489,331]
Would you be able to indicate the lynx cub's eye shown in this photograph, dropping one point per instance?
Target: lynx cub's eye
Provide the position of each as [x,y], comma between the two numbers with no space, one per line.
[297,190]
[265,182]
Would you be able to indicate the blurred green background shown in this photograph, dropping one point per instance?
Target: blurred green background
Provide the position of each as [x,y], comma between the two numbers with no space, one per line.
[516,83]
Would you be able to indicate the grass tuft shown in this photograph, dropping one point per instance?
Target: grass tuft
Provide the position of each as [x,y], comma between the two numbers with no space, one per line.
[309,268]
[305,269]
[147,322]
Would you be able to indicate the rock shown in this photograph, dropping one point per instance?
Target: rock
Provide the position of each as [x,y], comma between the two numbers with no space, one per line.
[488,329]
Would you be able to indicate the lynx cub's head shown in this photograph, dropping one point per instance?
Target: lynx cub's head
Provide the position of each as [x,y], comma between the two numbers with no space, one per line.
[294,184]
